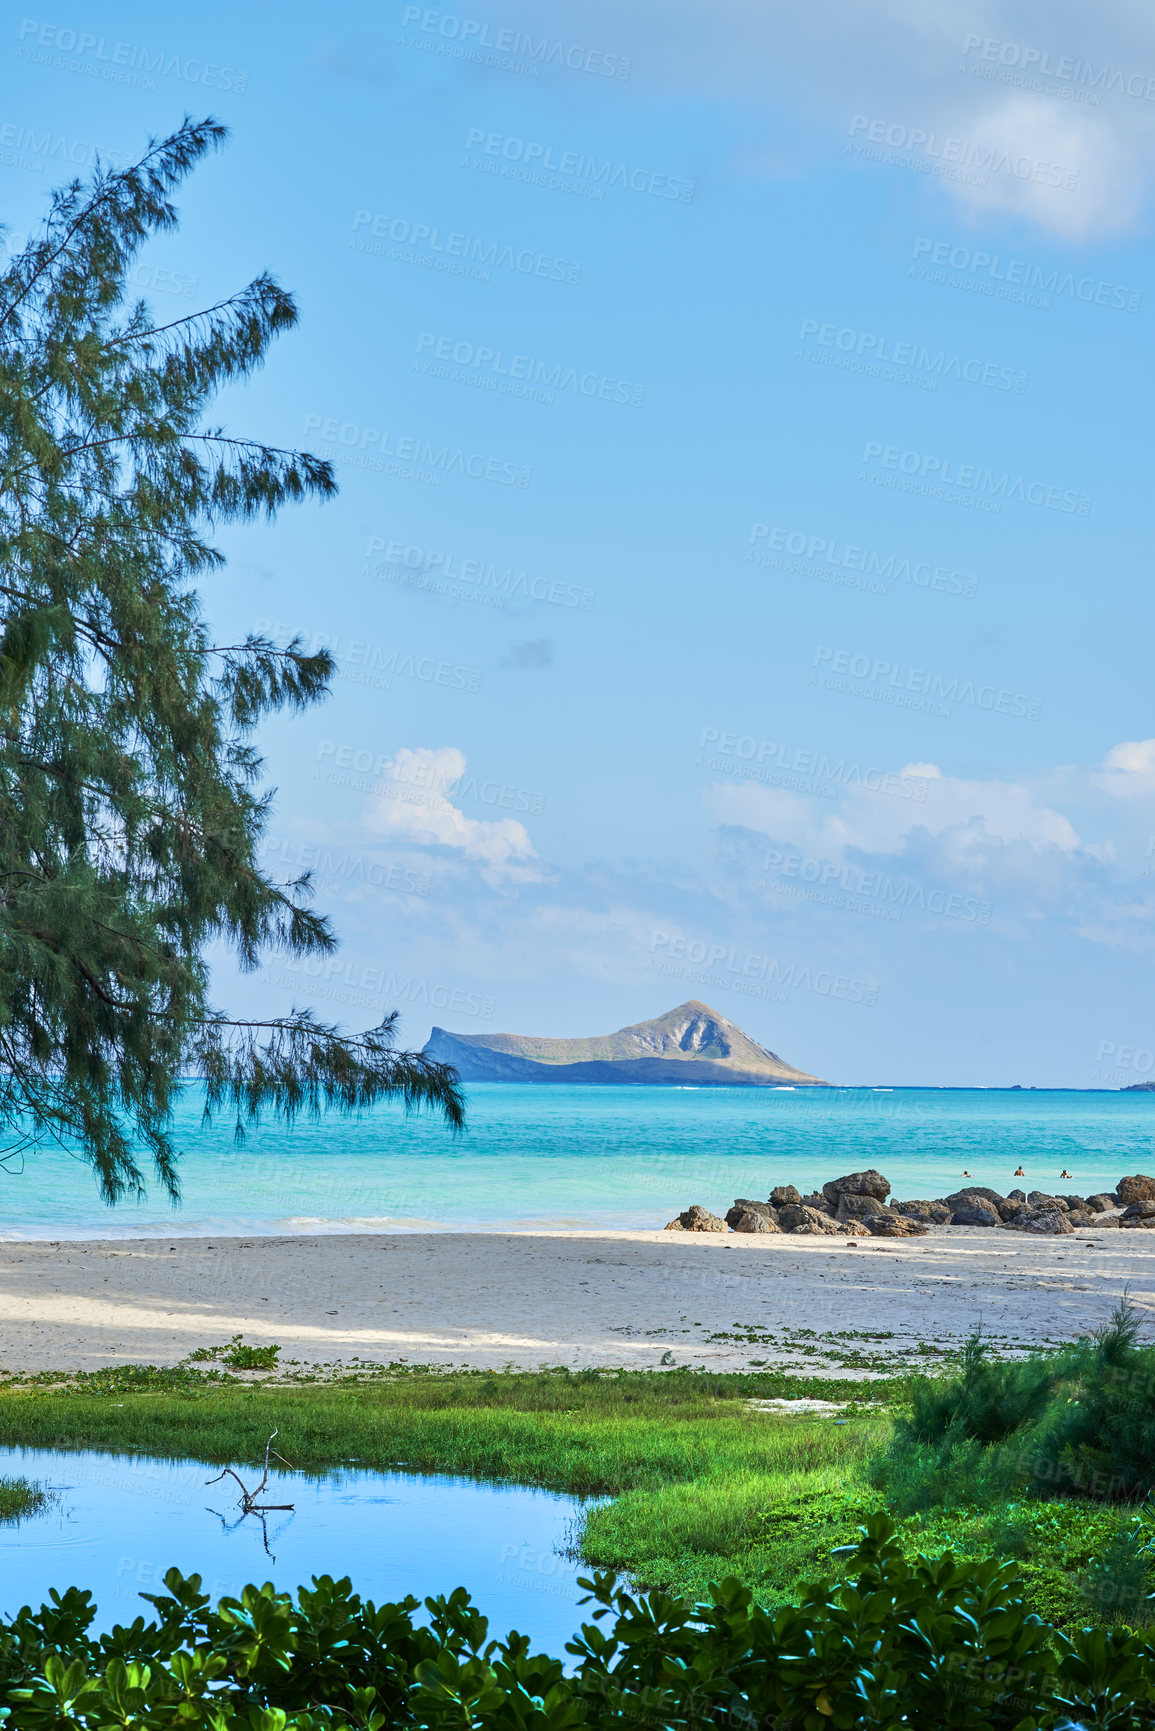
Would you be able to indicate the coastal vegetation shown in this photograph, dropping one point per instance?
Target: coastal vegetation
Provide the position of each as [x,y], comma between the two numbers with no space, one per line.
[895,1643]
[694,1476]
[19,1496]
[131,805]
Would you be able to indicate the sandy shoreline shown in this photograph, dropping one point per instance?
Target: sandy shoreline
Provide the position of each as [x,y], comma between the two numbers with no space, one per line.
[525,1300]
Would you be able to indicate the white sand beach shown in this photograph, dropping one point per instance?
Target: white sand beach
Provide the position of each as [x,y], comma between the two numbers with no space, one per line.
[527,1300]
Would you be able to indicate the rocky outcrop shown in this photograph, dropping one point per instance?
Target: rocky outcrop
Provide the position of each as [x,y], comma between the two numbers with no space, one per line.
[855,1207]
[894,1226]
[797,1217]
[972,1194]
[1137,1188]
[930,1213]
[1040,1199]
[696,1219]
[868,1183]
[753,1220]
[1051,1222]
[743,1205]
[976,1213]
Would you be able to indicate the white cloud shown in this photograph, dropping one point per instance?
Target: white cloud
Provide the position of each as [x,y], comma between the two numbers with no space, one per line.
[969,815]
[1128,770]
[414,808]
[1060,88]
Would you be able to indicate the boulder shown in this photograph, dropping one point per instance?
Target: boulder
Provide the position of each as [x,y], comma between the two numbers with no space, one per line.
[1016,1196]
[1040,1199]
[1099,1204]
[854,1207]
[973,1194]
[1073,1202]
[852,1229]
[976,1214]
[1080,1218]
[930,1213]
[868,1183]
[894,1226]
[696,1219]
[797,1217]
[1137,1188]
[1138,1211]
[782,1194]
[743,1205]
[752,1220]
[1104,1220]
[1052,1221]
[817,1200]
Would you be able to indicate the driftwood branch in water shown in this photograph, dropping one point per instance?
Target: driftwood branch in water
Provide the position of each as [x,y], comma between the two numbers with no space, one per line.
[249,1503]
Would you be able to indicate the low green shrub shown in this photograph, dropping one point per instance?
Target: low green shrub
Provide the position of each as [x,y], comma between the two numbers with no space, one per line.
[1076,1423]
[942,1643]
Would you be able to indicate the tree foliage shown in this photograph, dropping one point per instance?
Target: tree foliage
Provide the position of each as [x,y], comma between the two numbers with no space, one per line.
[131,811]
[933,1643]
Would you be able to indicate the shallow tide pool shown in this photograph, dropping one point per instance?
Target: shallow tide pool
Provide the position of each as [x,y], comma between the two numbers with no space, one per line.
[118,1522]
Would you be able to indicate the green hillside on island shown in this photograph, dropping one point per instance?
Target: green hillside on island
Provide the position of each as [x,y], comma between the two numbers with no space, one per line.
[689,1046]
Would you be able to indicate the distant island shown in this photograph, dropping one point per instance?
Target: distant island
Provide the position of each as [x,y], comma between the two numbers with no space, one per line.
[690,1046]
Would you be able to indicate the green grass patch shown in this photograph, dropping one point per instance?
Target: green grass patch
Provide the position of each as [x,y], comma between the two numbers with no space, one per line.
[704,1483]
[19,1497]
[586,1433]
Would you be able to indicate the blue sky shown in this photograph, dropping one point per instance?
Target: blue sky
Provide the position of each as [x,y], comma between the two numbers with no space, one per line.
[740,578]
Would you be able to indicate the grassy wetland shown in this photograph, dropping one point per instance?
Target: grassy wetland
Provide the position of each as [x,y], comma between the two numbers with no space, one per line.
[694,1476]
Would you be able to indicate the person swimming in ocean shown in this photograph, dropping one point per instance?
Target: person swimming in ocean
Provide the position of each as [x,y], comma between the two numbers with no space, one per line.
[1019,1173]
[1064,1173]
[968,1174]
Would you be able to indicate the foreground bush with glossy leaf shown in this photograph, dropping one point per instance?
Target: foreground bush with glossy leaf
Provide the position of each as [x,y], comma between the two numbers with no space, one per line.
[939,1643]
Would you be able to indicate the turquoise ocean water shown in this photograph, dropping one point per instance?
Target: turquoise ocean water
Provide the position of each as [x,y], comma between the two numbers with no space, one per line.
[591,1157]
